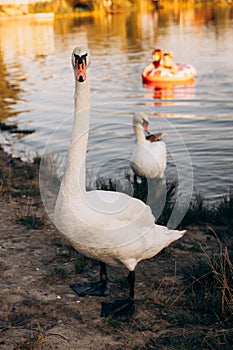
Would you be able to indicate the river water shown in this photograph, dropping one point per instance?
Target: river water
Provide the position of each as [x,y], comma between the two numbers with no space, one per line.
[197,120]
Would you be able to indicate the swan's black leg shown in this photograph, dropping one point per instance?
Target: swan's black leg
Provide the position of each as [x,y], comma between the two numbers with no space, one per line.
[100,288]
[103,271]
[141,189]
[131,279]
[121,308]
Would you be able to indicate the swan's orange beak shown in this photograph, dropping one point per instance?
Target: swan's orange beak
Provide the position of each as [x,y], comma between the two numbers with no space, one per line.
[146,126]
[80,68]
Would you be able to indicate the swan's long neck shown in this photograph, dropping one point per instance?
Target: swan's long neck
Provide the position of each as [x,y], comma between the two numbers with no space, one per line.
[74,179]
[139,133]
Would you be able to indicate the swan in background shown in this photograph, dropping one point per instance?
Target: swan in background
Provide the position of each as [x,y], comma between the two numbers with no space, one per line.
[149,157]
[148,162]
[109,226]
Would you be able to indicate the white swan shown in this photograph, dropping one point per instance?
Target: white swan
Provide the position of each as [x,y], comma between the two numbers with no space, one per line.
[109,226]
[148,158]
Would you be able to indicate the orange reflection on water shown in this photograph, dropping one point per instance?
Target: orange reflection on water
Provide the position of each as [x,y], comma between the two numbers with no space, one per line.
[170,93]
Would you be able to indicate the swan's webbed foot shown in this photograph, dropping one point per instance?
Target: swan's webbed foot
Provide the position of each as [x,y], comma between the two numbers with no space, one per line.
[118,308]
[100,289]
[121,308]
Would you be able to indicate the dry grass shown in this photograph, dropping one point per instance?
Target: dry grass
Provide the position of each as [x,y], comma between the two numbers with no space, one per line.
[31,341]
[221,280]
[5,180]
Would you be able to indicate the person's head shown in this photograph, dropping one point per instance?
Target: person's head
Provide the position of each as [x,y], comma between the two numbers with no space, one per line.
[157,55]
[168,59]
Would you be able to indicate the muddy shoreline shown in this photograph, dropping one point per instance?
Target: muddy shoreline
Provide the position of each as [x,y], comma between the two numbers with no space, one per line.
[39,310]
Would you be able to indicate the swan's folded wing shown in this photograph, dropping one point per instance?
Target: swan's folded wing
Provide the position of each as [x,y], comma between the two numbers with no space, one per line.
[120,233]
[111,219]
[104,222]
[104,219]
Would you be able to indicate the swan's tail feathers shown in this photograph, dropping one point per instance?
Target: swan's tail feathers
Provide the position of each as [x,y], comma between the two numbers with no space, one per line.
[182,232]
[176,233]
[170,236]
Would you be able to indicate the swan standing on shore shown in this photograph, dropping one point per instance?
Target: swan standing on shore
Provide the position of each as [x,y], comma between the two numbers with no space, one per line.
[109,226]
[149,155]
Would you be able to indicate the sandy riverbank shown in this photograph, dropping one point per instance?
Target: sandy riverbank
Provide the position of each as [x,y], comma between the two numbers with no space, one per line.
[39,310]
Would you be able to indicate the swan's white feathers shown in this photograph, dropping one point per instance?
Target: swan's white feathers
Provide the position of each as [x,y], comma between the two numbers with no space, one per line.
[109,226]
[148,158]
[115,234]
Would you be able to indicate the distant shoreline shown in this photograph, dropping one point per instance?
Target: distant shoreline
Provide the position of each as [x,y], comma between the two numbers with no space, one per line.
[37,16]
[21,11]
